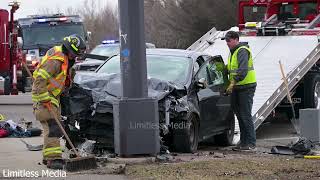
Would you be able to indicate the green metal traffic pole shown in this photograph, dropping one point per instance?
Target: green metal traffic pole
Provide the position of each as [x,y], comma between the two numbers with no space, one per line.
[136,118]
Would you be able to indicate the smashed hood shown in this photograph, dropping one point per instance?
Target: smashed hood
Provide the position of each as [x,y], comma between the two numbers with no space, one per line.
[106,87]
[91,62]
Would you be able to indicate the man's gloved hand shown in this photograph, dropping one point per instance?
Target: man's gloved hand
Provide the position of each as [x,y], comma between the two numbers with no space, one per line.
[230,87]
[47,104]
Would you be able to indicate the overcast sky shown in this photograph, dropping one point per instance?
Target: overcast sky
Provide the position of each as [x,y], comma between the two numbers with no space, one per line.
[29,7]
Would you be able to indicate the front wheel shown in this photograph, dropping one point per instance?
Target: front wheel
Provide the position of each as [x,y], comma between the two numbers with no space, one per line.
[186,135]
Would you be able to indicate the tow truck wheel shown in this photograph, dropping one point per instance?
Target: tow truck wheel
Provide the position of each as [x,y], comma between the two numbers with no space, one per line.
[312,91]
[226,138]
[186,135]
[317,95]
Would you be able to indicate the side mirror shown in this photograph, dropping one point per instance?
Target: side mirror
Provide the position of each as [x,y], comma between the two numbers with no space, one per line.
[201,83]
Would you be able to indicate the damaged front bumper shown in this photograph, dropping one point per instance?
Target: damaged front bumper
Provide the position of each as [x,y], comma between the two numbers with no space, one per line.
[88,107]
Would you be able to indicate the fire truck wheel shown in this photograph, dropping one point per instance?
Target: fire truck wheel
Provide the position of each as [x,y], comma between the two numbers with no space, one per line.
[7,85]
[312,91]
[23,84]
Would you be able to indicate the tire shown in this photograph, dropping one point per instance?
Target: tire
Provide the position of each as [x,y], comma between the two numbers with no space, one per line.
[312,91]
[226,138]
[23,81]
[7,85]
[186,139]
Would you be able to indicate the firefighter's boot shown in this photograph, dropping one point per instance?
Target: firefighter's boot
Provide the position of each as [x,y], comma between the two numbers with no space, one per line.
[55,164]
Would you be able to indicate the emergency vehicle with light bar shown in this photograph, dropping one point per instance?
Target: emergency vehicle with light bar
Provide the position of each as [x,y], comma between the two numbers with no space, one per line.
[38,33]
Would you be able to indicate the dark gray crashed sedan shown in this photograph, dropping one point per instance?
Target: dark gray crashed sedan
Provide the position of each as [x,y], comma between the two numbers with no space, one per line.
[190,89]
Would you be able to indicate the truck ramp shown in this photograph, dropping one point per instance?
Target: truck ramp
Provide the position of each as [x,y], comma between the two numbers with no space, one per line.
[297,54]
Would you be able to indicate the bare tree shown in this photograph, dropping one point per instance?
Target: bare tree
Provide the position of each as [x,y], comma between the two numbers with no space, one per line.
[179,23]
[168,23]
[102,22]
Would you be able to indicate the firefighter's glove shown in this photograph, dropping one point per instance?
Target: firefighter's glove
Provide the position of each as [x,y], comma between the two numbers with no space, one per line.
[47,104]
[230,87]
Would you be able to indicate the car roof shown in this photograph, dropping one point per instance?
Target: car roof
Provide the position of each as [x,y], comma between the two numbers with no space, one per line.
[175,52]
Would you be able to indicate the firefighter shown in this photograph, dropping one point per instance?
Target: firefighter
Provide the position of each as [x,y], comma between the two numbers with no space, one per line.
[242,87]
[51,77]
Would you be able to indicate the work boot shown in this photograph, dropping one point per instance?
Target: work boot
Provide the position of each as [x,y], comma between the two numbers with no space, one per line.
[56,164]
[248,148]
[238,147]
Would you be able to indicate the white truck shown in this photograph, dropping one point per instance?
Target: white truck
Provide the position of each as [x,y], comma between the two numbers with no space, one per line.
[293,40]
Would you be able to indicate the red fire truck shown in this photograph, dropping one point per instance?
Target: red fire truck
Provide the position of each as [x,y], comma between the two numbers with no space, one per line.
[26,40]
[10,55]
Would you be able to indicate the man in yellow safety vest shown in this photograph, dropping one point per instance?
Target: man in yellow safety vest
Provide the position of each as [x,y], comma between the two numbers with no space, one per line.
[242,87]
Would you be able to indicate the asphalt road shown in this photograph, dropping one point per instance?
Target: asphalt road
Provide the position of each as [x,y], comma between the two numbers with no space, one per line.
[18,108]
[14,155]
[21,99]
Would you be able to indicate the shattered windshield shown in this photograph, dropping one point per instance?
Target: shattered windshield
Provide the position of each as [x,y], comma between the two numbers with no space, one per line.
[48,35]
[106,50]
[167,68]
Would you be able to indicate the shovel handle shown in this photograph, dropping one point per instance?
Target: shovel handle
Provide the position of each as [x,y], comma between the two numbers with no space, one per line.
[27,69]
[62,129]
[285,82]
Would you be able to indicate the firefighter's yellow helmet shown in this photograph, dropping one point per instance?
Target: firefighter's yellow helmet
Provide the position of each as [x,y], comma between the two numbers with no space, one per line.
[75,44]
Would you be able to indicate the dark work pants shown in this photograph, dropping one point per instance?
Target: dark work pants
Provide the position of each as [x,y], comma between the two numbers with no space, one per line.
[241,101]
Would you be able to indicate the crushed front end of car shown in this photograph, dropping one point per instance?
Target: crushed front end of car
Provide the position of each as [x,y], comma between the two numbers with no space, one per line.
[88,108]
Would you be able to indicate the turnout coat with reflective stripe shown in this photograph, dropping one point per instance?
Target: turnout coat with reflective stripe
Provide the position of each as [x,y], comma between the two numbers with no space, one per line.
[50,76]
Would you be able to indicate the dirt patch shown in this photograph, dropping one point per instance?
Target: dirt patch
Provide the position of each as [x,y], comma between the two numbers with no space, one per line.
[231,166]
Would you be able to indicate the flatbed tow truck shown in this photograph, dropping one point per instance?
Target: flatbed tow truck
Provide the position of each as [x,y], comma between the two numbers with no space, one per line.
[288,33]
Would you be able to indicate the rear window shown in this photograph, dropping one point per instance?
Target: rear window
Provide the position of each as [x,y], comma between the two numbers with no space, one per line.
[106,50]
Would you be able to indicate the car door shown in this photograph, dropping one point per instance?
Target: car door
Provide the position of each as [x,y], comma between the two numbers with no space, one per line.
[218,82]
[213,105]
[206,101]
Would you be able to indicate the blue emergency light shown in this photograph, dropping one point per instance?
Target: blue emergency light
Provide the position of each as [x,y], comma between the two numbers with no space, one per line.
[63,18]
[42,20]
